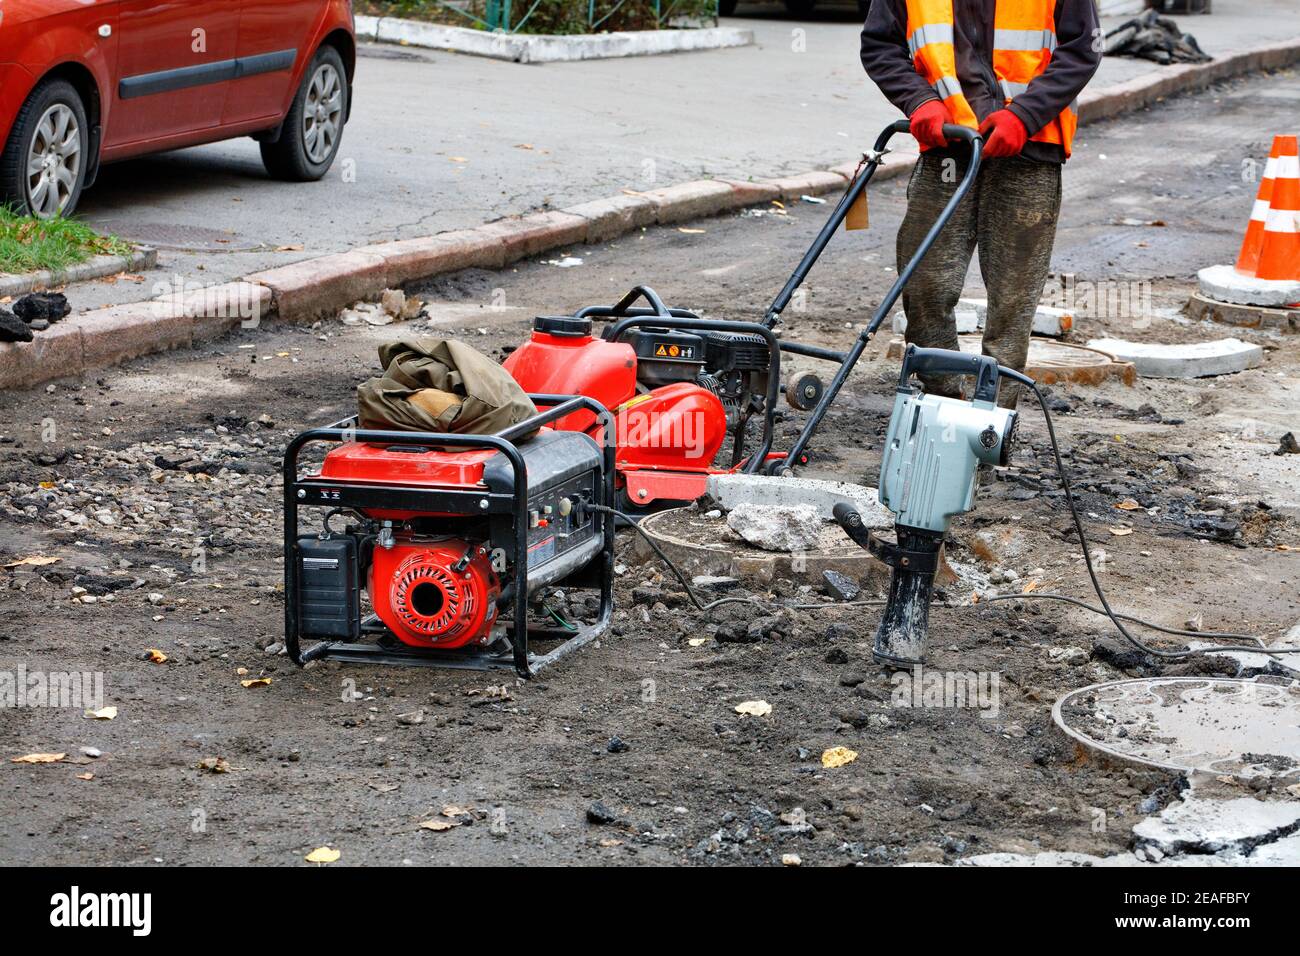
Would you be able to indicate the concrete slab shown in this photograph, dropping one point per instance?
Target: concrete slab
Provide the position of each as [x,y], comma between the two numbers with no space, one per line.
[786,528]
[701,546]
[1211,826]
[1190,360]
[1228,285]
[732,491]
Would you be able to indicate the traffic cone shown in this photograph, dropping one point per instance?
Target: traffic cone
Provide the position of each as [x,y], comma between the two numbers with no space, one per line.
[1248,259]
[1279,252]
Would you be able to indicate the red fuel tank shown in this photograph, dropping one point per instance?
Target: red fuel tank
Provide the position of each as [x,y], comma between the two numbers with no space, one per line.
[679,426]
[562,358]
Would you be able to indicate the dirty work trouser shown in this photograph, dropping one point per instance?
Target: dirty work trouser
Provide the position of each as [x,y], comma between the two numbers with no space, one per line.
[1010,215]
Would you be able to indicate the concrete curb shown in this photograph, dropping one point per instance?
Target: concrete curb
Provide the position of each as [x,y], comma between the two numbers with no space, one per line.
[313,288]
[95,267]
[537,48]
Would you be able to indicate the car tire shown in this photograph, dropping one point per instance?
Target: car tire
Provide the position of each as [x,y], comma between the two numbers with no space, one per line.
[310,135]
[50,132]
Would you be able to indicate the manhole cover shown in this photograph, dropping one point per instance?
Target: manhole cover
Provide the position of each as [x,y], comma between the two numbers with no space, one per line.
[1213,725]
[176,237]
[1050,362]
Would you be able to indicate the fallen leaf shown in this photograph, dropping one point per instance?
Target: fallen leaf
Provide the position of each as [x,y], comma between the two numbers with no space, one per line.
[154,655]
[459,159]
[86,776]
[256,682]
[454,811]
[697,641]
[47,485]
[1120,532]
[323,854]
[213,765]
[36,560]
[691,232]
[838,756]
[610,841]
[523,145]
[1128,504]
[104,713]
[437,826]
[38,758]
[754,708]
[1030,586]
[384,787]
[295,247]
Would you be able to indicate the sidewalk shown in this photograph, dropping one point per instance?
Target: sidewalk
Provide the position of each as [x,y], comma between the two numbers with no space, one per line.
[441,141]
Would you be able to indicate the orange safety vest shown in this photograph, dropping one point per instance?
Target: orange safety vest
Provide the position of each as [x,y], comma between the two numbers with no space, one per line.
[1024,36]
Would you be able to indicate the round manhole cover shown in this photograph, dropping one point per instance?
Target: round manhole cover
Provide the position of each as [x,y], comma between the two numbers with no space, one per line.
[1214,725]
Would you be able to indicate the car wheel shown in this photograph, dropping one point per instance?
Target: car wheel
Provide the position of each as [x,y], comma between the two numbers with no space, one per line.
[43,166]
[309,137]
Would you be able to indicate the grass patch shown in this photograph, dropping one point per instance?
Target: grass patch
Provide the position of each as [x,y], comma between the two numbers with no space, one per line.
[29,245]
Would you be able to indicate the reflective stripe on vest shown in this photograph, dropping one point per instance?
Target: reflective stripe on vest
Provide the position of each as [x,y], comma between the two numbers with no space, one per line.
[1024,37]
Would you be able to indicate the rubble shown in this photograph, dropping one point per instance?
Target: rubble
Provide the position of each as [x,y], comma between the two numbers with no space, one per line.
[777,527]
[1195,825]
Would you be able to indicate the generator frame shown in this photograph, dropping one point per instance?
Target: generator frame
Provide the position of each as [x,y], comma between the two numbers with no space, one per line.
[301,492]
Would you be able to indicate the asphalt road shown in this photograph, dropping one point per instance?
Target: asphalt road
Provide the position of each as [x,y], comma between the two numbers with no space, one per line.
[442,141]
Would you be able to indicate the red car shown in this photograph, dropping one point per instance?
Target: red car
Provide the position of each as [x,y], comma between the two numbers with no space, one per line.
[85,82]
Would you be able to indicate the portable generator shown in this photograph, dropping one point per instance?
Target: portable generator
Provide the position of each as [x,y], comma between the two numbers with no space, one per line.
[450,535]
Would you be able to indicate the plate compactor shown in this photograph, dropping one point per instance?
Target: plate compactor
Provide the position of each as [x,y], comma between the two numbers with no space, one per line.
[453,537]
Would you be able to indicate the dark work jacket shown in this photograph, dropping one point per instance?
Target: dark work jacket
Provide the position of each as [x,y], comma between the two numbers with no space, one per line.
[1076,58]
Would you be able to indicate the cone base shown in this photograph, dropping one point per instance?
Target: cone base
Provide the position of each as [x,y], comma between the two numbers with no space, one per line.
[1226,284]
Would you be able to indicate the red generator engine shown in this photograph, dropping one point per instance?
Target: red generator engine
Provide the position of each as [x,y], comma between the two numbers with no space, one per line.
[676,384]
[447,538]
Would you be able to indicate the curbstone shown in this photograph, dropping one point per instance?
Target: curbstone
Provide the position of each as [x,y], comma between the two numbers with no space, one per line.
[54,353]
[610,218]
[749,193]
[529,235]
[812,183]
[96,267]
[692,200]
[308,290]
[535,48]
[216,309]
[410,259]
[123,332]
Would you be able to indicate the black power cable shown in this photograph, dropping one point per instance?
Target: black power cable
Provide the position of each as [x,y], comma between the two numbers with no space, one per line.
[1092,574]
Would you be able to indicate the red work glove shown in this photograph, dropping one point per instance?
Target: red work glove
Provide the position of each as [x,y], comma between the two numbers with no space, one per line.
[927,123]
[1004,134]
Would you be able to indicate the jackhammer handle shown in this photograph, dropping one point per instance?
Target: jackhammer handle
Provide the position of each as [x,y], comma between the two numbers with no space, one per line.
[919,361]
[848,518]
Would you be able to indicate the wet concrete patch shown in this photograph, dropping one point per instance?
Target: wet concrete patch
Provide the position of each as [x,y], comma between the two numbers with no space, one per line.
[1219,726]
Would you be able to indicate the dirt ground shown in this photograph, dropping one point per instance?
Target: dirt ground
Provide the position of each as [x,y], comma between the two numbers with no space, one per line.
[156,485]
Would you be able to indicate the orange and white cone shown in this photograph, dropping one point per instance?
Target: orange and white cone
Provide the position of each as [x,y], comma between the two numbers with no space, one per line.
[1279,252]
[1267,273]
[1248,258]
